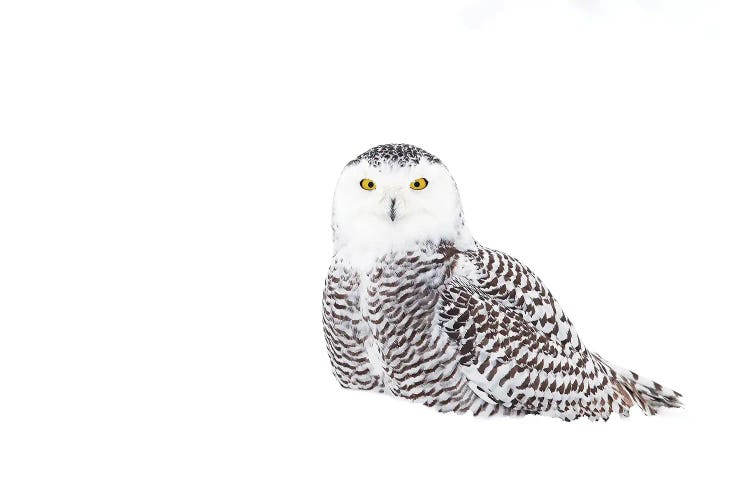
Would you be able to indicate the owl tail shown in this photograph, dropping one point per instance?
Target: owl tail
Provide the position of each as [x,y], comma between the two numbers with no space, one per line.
[650,396]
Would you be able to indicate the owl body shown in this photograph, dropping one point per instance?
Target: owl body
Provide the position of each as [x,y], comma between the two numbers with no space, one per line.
[414,307]
[380,327]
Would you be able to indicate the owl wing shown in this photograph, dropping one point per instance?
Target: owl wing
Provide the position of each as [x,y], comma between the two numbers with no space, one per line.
[516,287]
[517,346]
[511,361]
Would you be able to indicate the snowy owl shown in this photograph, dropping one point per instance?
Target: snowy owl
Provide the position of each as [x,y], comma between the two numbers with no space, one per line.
[413,306]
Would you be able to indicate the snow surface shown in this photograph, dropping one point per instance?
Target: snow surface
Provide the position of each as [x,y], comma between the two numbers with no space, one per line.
[166,175]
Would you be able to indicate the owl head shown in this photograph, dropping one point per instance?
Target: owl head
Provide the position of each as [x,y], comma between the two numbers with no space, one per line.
[393,197]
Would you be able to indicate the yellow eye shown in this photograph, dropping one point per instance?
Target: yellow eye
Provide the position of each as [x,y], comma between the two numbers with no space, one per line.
[367,184]
[418,184]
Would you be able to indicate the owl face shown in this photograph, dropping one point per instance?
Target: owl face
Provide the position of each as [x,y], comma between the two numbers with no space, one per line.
[382,203]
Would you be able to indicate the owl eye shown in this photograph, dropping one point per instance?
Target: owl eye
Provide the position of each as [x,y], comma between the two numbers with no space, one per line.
[418,184]
[367,184]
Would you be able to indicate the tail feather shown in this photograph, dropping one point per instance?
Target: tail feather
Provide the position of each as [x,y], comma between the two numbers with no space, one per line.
[650,396]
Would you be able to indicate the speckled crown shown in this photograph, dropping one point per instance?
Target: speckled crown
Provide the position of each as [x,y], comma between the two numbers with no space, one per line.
[402,155]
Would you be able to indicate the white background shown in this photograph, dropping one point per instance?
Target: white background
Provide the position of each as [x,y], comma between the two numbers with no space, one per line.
[166,174]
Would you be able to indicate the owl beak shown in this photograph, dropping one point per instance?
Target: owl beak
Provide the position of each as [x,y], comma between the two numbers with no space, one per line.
[392,212]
